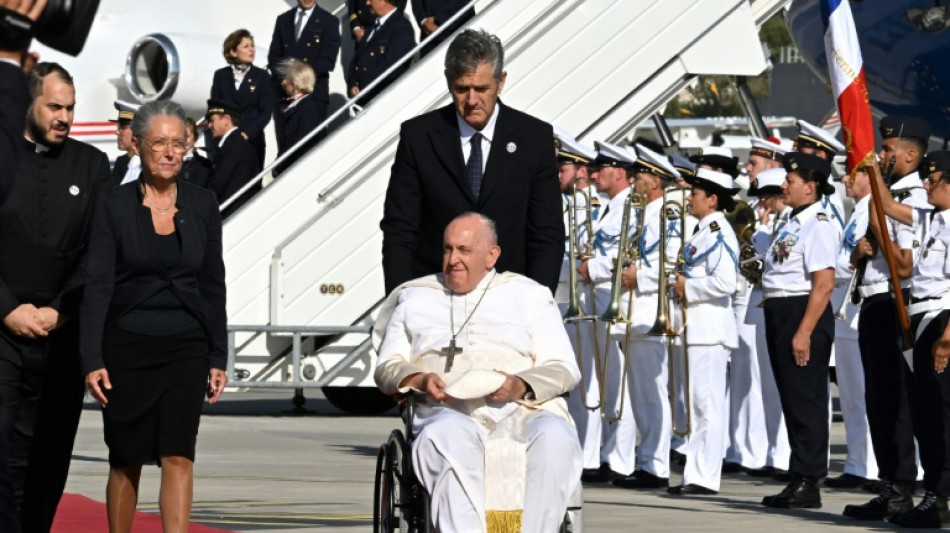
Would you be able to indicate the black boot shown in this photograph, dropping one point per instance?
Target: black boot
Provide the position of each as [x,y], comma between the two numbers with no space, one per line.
[801,493]
[876,509]
[931,512]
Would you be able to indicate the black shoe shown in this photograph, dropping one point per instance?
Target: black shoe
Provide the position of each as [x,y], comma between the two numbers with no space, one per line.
[845,481]
[691,490]
[894,499]
[765,471]
[600,475]
[641,479]
[801,493]
[931,512]
[729,467]
[873,486]
[782,476]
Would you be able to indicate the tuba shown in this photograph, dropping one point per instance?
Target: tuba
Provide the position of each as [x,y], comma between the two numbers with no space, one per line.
[627,252]
[742,220]
[671,211]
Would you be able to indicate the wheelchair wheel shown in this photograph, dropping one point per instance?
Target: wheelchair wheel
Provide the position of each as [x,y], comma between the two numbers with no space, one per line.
[392,506]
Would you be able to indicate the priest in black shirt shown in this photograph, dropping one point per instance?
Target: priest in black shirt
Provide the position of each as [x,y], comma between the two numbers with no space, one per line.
[43,233]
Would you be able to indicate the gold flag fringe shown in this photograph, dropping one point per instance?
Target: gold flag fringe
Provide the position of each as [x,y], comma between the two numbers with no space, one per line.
[503,521]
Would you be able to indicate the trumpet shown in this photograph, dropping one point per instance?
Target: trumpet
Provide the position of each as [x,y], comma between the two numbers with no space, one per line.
[663,326]
[626,254]
[574,314]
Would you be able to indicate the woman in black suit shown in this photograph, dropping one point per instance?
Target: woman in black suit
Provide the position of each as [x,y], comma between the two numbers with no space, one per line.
[249,87]
[298,111]
[153,336]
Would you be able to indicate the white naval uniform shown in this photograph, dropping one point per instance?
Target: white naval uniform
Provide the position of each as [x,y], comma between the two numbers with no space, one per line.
[860,460]
[619,438]
[711,270]
[517,329]
[584,400]
[932,264]
[774,437]
[648,354]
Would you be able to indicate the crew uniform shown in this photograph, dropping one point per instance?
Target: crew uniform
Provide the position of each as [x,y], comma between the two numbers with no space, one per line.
[618,436]
[584,402]
[929,391]
[710,267]
[807,244]
[385,43]
[127,167]
[649,360]
[860,463]
[235,162]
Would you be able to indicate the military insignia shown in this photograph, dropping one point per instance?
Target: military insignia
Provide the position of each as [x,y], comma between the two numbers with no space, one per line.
[252,88]
[691,252]
[794,165]
[382,49]
[929,244]
[822,217]
[74,190]
[511,148]
[903,196]
[916,243]
[671,213]
[755,183]
[714,226]
[783,248]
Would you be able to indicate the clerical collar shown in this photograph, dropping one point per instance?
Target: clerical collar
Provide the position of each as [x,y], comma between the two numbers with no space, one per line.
[35,147]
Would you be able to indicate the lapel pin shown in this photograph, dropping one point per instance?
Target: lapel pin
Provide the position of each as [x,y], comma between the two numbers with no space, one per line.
[252,87]
[74,190]
[512,147]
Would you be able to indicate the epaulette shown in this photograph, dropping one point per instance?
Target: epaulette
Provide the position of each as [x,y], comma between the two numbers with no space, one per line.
[714,226]
[595,201]
[903,196]
[822,217]
[672,213]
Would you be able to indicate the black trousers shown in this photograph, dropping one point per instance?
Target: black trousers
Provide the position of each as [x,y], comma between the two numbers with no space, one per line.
[930,406]
[8,514]
[885,389]
[803,390]
[42,387]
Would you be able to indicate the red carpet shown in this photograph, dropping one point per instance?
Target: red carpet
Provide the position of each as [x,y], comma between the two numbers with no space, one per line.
[79,514]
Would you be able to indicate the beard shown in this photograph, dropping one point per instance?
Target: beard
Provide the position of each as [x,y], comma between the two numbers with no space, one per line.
[42,135]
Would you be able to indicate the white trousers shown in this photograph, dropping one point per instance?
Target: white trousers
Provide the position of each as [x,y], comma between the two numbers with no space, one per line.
[449,458]
[860,460]
[584,401]
[778,452]
[707,386]
[747,436]
[649,390]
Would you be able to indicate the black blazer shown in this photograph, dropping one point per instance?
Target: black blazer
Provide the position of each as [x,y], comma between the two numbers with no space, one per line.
[297,122]
[14,99]
[124,270]
[359,15]
[376,53]
[235,163]
[429,187]
[196,170]
[254,98]
[120,168]
[318,46]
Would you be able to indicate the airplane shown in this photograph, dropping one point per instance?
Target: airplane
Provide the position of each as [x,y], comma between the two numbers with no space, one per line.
[904,48]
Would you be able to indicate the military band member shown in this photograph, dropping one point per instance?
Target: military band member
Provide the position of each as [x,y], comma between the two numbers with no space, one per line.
[763,155]
[885,372]
[584,401]
[718,158]
[706,287]
[619,437]
[128,165]
[929,310]
[797,283]
[648,365]
[859,463]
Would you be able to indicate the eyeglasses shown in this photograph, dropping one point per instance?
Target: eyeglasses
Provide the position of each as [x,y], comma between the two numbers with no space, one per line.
[160,145]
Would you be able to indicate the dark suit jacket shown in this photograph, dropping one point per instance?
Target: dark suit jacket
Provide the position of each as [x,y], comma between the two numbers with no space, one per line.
[378,52]
[441,11]
[124,269]
[255,98]
[196,170]
[360,15]
[234,165]
[297,122]
[44,226]
[429,187]
[120,168]
[318,46]
[14,99]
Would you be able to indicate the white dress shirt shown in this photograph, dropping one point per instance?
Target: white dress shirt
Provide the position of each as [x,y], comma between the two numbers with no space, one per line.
[932,266]
[488,133]
[808,243]
[306,18]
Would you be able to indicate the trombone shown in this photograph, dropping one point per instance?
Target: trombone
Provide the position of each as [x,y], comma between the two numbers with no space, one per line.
[663,326]
[626,253]
[574,314]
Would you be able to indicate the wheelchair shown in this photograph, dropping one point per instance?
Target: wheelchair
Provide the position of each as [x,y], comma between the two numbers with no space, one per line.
[401,503]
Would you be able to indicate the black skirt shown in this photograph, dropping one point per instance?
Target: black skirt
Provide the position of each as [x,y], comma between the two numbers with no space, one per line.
[158,388]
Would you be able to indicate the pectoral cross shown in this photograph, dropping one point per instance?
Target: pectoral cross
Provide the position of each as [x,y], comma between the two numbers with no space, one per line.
[449,353]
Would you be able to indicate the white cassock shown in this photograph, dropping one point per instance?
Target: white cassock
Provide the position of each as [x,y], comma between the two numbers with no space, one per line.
[711,256]
[516,329]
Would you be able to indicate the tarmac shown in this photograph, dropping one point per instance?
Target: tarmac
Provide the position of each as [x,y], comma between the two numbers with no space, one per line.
[262,469]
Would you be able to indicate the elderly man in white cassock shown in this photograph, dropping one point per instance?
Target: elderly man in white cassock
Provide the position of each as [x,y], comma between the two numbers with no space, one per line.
[494,444]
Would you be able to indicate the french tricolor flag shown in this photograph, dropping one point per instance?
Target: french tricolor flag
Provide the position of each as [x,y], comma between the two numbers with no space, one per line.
[846,70]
